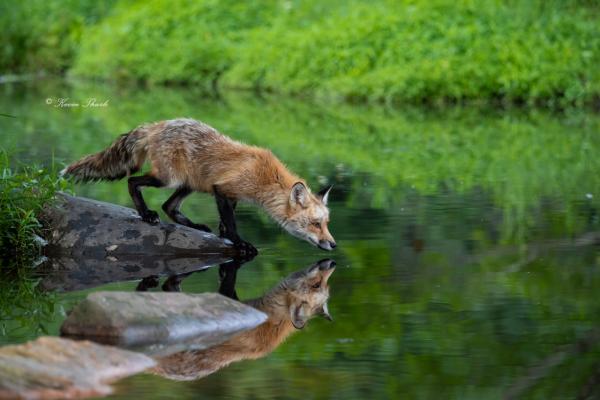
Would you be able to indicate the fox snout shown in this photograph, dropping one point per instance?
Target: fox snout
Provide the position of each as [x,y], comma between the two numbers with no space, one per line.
[327,245]
[326,240]
[324,264]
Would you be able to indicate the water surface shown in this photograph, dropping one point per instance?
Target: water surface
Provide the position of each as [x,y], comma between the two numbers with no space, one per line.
[468,257]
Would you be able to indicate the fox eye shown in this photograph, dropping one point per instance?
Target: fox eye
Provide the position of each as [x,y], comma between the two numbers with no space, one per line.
[317,225]
[316,285]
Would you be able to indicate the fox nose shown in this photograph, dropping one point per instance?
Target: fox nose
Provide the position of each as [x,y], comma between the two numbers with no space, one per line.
[332,244]
[326,263]
[326,245]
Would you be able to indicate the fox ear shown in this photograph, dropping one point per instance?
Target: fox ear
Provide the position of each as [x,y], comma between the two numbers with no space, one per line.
[299,194]
[324,312]
[324,194]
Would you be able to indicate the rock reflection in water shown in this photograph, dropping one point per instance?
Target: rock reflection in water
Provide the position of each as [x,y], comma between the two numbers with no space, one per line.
[289,306]
[67,274]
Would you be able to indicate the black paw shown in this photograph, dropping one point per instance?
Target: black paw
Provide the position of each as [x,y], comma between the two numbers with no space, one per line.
[172,285]
[150,217]
[149,282]
[201,227]
[245,248]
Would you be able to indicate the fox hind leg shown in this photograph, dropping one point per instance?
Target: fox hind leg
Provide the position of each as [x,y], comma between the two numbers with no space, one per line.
[173,283]
[136,183]
[148,282]
[171,208]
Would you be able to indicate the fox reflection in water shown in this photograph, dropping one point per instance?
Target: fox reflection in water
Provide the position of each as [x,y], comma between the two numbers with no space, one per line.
[289,306]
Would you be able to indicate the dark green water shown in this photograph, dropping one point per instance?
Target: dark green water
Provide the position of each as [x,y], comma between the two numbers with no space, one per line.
[468,258]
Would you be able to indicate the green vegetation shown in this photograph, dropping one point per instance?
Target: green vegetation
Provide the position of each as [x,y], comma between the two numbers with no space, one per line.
[42,36]
[520,51]
[537,52]
[24,192]
[25,310]
[169,41]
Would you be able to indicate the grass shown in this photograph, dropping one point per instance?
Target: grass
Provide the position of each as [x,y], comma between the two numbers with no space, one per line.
[24,191]
[531,52]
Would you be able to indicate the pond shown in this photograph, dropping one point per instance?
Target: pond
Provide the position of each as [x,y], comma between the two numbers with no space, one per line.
[468,259]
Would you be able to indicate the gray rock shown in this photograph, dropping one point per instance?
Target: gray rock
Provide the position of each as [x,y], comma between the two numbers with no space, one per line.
[84,228]
[160,323]
[50,368]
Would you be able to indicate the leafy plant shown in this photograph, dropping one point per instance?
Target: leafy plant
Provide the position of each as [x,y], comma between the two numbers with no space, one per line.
[24,192]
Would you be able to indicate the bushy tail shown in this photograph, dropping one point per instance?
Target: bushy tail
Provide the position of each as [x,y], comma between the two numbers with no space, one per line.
[124,157]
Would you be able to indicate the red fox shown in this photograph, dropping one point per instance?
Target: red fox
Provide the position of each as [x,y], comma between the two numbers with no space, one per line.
[288,306]
[188,155]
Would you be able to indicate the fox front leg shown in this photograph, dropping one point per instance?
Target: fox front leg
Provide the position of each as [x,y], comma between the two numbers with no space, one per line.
[227,279]
[222,227]
[227,226]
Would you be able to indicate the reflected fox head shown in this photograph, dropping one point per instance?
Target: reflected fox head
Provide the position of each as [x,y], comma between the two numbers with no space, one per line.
[289,306]
[306,293]
[308,216]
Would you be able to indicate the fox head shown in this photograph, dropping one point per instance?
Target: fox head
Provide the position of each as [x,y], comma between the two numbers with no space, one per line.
[308,216]
[307,293]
